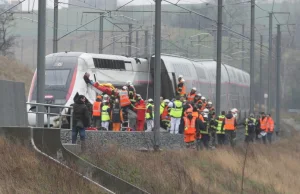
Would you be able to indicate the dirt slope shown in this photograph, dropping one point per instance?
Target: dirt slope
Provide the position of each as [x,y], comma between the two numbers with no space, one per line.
[14,71]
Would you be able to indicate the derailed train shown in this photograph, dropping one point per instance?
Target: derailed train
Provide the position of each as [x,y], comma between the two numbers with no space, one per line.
[65,70]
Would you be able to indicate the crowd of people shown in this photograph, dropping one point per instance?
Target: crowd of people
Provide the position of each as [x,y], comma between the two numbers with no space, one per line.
[190,114]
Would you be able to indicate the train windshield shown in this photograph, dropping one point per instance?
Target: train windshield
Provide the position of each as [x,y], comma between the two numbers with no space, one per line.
[59,74]
[56,77]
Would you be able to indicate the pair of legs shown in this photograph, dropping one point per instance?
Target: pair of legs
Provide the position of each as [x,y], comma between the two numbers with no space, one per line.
[116,126]
[231,136]
[97,122]
[150,125]
[105,124]
[204,141]
[175,122]
[81,132]
[221,138]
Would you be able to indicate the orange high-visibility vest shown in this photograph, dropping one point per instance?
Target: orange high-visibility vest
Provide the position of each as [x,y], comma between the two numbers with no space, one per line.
[270,125]
[229,124]
[189,129]
[191,97]
[263,124]
[96,109]
[124,98]
[183,90]
[197,115]
[165,114]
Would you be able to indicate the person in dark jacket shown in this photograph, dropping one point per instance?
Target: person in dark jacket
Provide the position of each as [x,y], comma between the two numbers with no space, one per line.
[81,119]
[229,125]
[116,116]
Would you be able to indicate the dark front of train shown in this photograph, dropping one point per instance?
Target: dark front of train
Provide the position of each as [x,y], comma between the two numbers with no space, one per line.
[60,75]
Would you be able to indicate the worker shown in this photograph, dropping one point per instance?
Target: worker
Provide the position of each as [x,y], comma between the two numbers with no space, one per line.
[220,132]
[212,132]
[203,99]
[263,127]
[176,114]
[191,129]
[124,99]
[229,125]
[181,91]
[196,113]
[164,116]
[116,116]
[257,128]
[204,132]
[250,128]
[197,100]
[131,92]
[140,109]
[150,115]
[270,128]
[105,115]
[211,109]
[191,95]
[97,112]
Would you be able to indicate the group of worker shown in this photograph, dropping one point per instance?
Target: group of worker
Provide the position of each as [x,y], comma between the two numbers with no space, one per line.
[190,114]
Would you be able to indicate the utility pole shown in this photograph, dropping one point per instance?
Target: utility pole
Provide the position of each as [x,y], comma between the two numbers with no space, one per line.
[270,60]
[199,47]
[252,56]
[130,40]
[278,100]
[157,75]
[101,33]
[137,42]
[22,44]
[219,57]
[55,26]
[243,48]
[41,52]
[146,45]
[261,75]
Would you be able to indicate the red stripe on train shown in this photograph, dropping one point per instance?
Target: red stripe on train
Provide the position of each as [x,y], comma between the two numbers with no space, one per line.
[72,84]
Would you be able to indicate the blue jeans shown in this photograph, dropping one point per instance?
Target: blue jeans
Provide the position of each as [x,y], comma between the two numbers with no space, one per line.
[75,132]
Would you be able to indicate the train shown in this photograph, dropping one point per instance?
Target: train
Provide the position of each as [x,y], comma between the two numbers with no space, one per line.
[64,73]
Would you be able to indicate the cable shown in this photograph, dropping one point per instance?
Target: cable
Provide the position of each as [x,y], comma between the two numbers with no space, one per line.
[12,7]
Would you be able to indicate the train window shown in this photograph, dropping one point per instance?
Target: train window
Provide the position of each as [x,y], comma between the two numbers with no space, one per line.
[200,72]
[109,64]
[56,77]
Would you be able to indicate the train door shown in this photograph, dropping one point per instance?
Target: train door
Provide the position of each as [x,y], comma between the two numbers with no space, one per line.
[167,83]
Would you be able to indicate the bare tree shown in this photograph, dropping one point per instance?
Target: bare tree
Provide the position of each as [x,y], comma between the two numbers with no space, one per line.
[7,38]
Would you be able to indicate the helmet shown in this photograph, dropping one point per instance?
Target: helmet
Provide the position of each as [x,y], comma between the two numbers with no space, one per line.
[99,97]
[194,88]
[150,100]
[209,103]
[166,100]
[203,98]
[104,101]
[180,76]
[234,110]
[124,87]
[205,111]
[205,116]
[128,82]
[252,115]
[199,94]
[183,80]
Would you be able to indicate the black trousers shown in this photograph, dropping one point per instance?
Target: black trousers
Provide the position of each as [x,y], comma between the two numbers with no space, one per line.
[221,139]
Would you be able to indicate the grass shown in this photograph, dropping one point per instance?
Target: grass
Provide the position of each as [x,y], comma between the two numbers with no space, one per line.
[22,172]
[269,169]
[13,71]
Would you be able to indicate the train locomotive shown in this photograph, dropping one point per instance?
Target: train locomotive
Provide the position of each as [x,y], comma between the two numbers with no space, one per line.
[65,70]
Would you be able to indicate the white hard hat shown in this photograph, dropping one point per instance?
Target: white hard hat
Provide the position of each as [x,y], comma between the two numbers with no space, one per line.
[183,80]
[105,96]
[180,76]
[205,116]
[206,110]
[203,98]
[199,94]
[194,88]
[124,87]
[210,103]
[166,100]
[234,110]
[128,82]
[104,101]
[150,100]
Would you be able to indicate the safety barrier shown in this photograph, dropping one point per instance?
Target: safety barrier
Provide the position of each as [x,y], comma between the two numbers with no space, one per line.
[48,112]
[46,141]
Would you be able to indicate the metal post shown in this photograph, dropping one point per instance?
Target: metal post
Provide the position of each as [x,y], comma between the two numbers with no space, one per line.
[86,46]
[41,51]
[199,47]
[243,48]
[101,33]
[55,26]
[146,44]
[137,42]
[219,57]
[22,44]
[252,56]
[157,76]
[33,57]
[278,100]
[215,43]
[260,75]
[270,60]
[126,47]
[130,40]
